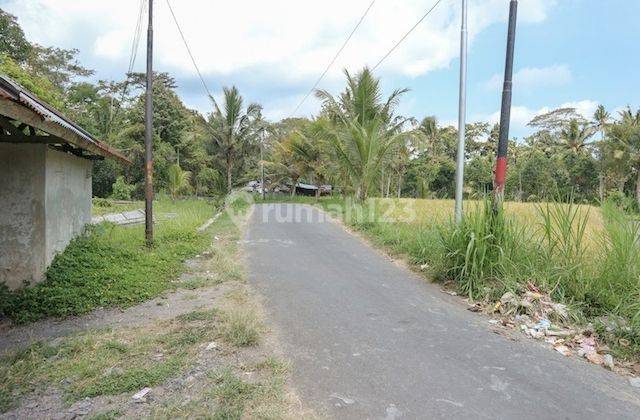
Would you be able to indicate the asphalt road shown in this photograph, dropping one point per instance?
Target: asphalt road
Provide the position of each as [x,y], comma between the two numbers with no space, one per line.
[368,339]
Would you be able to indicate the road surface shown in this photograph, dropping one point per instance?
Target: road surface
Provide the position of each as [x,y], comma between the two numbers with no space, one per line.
[368,339]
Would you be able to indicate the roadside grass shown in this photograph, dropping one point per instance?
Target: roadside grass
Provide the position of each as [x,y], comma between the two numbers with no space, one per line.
[242,327]
[110,266]
[112,362]
[106,362]
[102,206]
[584,256]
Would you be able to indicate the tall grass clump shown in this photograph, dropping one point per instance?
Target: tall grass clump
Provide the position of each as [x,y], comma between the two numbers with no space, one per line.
[617,286]
[563,267]
[481,252]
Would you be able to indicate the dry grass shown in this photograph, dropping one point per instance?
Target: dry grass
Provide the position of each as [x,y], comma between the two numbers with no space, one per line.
[430,213]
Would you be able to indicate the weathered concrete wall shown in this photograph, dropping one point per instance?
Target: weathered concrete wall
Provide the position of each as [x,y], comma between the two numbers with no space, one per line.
[45,201]
[22,207]
[67,200]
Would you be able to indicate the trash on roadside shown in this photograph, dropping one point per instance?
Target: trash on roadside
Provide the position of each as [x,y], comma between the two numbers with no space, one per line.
[608,361]
[562,349]
[141,394]
[476,307]
[212,346]
[635,382]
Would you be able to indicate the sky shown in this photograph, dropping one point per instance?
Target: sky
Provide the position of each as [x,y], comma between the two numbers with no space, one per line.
[577,53]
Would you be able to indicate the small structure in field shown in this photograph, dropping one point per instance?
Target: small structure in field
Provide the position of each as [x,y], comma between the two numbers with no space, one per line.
[312,190]
[45,194]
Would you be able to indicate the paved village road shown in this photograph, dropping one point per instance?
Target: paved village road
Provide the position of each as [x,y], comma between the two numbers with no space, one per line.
[370,340]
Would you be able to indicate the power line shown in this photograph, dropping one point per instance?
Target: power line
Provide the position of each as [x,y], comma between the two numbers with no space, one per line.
[137,34]
[324,73]
[184,40]
[406,35]
[136,37]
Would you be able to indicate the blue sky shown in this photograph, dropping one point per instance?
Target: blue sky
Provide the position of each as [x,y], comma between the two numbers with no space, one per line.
[568,52]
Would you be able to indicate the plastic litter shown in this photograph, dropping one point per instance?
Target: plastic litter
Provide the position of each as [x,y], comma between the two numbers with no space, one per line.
[141,394]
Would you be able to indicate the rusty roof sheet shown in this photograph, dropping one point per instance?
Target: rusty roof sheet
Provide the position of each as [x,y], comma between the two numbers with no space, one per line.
[9,89]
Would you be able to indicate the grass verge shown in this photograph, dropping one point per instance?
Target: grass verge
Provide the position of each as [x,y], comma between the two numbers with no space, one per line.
[110,266]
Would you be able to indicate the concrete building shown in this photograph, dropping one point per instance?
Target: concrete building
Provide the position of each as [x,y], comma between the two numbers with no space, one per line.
[45,183]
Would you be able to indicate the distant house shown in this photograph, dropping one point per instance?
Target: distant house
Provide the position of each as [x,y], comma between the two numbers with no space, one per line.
[45,190]
[311,189]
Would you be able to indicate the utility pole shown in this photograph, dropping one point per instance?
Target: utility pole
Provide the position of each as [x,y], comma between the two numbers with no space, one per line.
[462,111]
[505,113]
[148,136]
[262,163]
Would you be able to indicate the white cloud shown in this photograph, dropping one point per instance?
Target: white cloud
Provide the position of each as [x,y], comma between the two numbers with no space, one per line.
[530,78]
[289,39]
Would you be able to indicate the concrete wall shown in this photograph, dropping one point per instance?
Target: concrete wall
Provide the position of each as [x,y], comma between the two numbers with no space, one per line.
[22,221]
[45,201]
[67,200]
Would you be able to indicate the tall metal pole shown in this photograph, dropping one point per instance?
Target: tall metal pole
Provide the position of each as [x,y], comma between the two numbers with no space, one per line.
[462,111]
[505,113]
[262,163]
[148,135]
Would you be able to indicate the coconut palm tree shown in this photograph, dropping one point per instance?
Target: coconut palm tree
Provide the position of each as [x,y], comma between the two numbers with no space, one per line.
[178,180]
[232,128]
[361,127]
[285,161]
[628,117]
[575,136]
[601,118]
[361,149]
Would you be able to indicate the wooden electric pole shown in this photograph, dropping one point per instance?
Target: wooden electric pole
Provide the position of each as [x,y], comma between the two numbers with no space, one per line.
[148,135]
[505,113]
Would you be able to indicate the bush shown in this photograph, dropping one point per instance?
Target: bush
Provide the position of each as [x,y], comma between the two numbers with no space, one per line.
[102,202]
[122,190]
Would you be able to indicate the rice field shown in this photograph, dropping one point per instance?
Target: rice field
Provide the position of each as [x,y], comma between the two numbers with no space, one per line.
[429,213]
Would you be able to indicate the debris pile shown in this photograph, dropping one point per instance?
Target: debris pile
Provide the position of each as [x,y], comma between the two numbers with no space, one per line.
[536,315]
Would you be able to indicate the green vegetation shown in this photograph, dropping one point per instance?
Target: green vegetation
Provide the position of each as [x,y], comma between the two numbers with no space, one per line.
[102,206]
[242,328]
[107,362]
[110,266]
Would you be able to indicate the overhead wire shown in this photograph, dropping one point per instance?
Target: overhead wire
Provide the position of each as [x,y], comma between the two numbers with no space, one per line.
[335,57]
[186,44]
[137,34]
[397,44]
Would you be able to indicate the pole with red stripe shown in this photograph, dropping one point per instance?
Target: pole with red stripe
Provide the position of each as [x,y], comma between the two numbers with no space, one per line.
[505,113]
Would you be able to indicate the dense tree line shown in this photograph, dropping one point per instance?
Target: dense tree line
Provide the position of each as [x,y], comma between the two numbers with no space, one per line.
[193,153]
[357,142]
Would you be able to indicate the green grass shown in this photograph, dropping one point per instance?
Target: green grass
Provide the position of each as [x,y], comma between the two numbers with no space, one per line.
[241,327]
[110,266]
[107,362]
[102,206]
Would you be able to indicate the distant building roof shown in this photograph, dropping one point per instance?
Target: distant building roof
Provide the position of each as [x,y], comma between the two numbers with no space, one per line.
[19,104]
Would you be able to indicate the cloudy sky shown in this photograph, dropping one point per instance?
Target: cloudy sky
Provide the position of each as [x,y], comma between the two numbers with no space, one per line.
[568,52]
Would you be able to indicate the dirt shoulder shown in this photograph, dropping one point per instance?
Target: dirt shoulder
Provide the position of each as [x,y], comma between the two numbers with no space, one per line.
[202,350]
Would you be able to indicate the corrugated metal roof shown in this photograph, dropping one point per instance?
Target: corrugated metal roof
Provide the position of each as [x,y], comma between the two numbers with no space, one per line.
[9,89]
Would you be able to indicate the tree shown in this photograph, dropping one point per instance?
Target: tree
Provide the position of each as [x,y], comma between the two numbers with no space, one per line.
[626,140]
[361,128]
[12,40]
[575,136]
[178,180]
[232,128]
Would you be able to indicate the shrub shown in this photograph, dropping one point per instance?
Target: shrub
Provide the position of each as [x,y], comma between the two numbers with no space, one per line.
[122,190]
